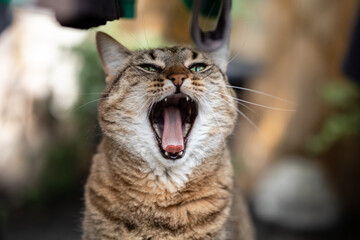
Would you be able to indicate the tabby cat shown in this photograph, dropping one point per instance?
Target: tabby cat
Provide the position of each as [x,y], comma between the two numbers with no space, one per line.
[162,170]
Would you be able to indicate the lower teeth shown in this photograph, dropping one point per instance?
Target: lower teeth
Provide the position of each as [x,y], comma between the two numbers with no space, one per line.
[179,153]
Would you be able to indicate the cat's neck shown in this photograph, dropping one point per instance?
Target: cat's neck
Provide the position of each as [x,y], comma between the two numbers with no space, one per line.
[136,173]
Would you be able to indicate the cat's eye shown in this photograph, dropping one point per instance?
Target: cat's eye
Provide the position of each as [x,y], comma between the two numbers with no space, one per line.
[150,67]
[197,67]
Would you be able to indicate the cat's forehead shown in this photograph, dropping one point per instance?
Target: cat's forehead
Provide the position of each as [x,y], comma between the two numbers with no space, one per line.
[170,55]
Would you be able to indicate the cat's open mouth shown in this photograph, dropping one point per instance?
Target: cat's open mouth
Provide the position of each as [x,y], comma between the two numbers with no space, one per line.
[172,119]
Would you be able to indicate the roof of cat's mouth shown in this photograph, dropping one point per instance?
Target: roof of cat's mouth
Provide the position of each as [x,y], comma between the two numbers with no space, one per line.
[172,119]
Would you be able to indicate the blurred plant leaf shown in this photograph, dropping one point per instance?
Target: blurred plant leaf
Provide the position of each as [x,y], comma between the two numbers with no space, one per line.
[344,122]
[340,93]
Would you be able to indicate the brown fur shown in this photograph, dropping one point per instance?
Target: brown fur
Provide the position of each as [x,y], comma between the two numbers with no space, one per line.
[125,197]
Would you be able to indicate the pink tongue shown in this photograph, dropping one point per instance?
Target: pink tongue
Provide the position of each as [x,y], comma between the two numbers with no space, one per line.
[172,138]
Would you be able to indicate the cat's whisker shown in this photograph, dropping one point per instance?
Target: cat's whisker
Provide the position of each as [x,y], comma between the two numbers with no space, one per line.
[143,107]
[146,106]
[258,92]
[251,110]
[248,108]
[93,93]
[243,115]
[233,57]
[212,112]
[151,106]
[208,107]
[133,36]
[256,104]
[83,105]
[145,35]
[136,96]
[89,93]
[207,75]
[101,98]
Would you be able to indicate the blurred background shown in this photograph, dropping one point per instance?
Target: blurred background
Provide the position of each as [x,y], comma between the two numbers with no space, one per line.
[293,62]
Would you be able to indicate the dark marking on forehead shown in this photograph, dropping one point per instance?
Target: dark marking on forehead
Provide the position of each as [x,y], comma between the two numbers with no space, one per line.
[152,54]
[194,54]
[140,57]
[173,49]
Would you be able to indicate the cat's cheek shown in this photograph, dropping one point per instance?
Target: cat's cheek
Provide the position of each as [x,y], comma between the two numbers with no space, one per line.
[168,88]
[187,89]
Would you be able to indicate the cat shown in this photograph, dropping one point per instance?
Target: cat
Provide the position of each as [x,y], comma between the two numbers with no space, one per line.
[163,170]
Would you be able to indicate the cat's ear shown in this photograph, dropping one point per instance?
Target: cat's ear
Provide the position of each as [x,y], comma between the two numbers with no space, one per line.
[221,56]
[113,55]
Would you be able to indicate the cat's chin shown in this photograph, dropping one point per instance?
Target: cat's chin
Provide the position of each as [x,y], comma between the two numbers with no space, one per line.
[172,120]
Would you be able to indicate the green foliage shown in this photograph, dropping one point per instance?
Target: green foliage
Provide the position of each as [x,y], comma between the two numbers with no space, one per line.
[344,122]
[341,95]
[60,175]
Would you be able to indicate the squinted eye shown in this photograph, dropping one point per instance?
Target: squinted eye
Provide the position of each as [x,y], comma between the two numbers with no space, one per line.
[150,67]
[197,67]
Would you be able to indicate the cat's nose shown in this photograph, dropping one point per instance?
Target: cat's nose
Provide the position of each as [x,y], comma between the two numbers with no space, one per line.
[177,79]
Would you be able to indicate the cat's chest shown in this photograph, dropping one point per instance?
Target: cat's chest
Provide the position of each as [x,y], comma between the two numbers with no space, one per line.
[155,217]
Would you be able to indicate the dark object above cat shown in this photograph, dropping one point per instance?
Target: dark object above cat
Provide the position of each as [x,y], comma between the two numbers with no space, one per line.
[85,14]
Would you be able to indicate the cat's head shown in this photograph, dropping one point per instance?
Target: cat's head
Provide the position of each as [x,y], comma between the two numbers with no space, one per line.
[172,107]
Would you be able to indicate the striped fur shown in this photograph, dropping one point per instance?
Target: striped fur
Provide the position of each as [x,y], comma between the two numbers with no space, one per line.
[132,191]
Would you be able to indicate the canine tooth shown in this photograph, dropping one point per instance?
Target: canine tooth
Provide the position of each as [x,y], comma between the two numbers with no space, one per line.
[187,128]
[181,153]
[166,153]
[156,129]
[165,99]
[187,98]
